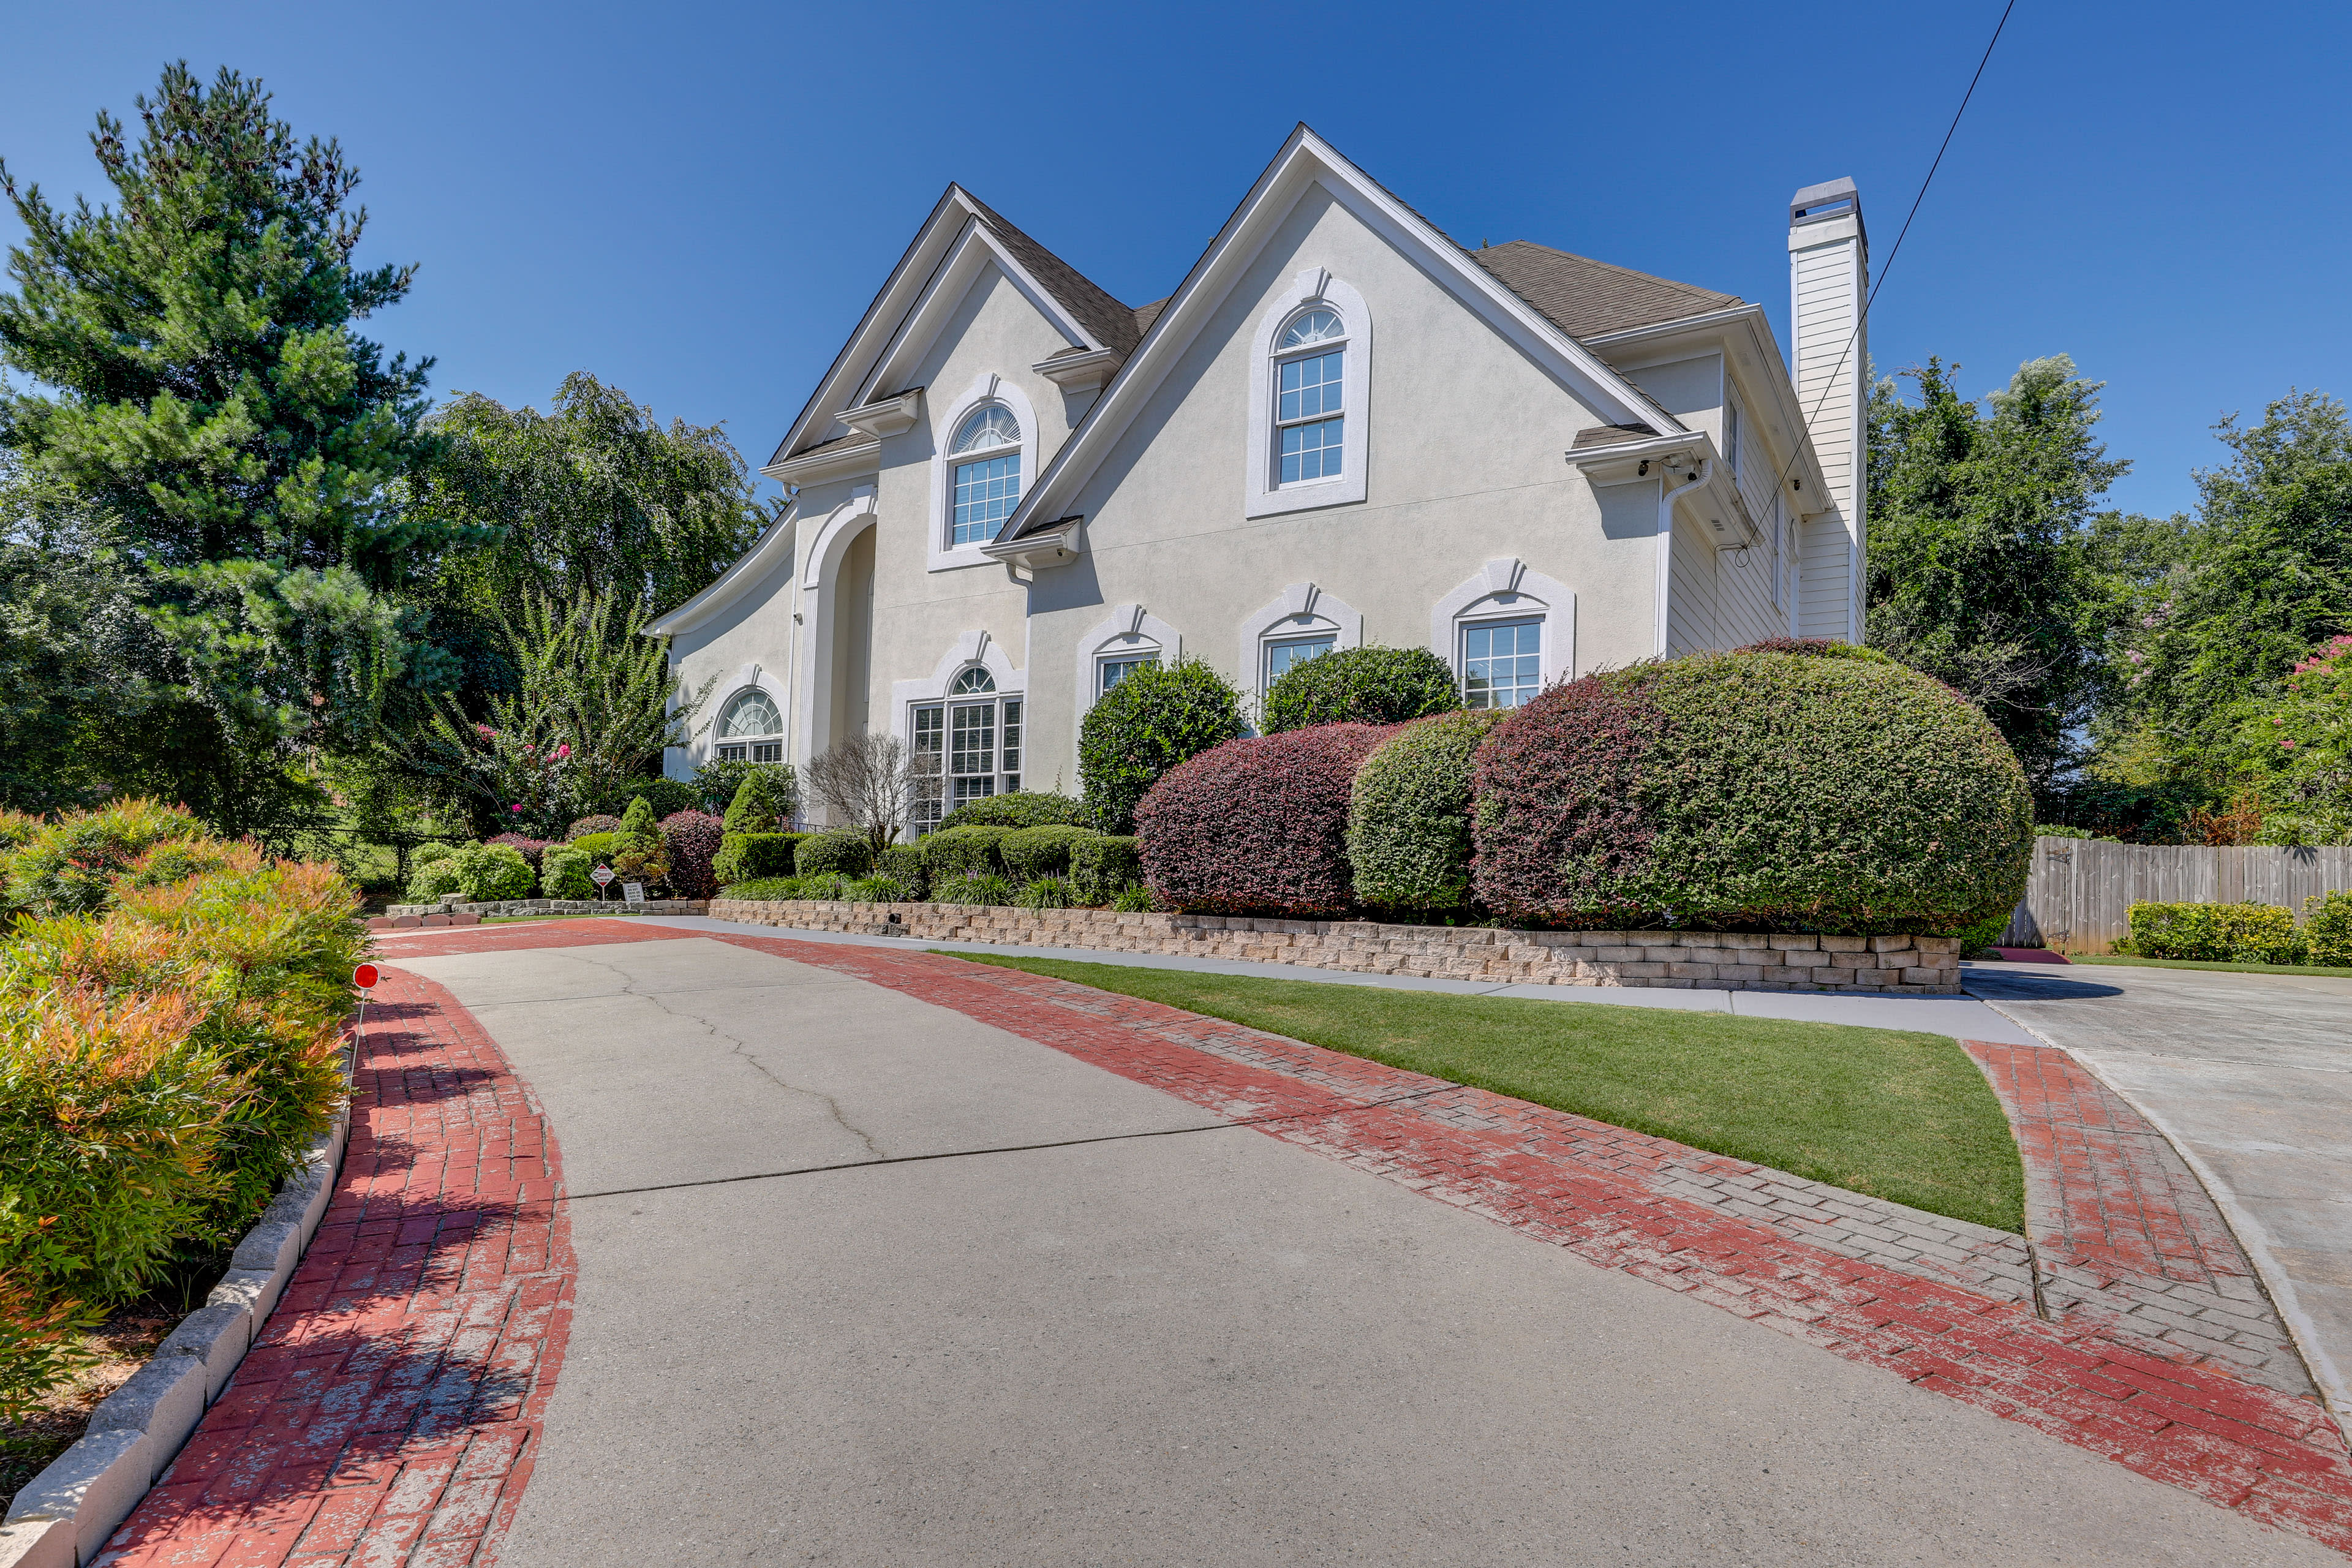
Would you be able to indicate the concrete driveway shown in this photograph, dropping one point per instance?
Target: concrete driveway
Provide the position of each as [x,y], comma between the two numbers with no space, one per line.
[1034,1313]
[2251,1077]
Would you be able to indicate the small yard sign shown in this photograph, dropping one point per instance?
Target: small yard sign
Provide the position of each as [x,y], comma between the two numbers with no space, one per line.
[632,892]
[364,976]
[601,875]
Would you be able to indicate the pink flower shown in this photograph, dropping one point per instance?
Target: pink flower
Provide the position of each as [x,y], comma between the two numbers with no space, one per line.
[563,751]
[517,808]
[484,729]
[2288,744]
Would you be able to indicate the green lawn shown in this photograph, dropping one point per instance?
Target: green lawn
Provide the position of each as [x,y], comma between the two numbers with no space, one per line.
[1899,1115]
[2208,964]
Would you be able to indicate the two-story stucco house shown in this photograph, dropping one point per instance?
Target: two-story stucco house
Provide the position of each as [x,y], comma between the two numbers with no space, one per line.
[1341,428]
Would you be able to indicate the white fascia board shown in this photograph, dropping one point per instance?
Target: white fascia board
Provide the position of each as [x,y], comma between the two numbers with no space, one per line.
[974,249]
[768,550]
[1305,159]
[842,460]
[1662,340]
[1602,463]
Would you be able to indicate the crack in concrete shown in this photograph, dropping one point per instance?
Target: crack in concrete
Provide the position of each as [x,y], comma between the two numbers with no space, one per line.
[741,1047]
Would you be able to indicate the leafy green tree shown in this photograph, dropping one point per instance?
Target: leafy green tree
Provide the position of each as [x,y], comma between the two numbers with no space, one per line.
[2224,603]
[597,498]
[1979,573]
[2292,753]
[201,384]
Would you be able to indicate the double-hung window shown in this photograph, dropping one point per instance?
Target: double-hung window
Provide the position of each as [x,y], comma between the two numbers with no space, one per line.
[1285,654]
[966,748]
[751,730]
[986,454]
[1113,669]
[1310,423]
[1502,662]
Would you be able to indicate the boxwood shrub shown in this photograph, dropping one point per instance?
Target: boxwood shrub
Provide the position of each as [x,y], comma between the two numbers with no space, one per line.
[1147,724]
[964,852]
[903,863]
[747,857]
[1029,853]
[1759,789]
[1259,826]
[1409,814]
[1102,866]
[1360,686]
[1022,809]
[839,853]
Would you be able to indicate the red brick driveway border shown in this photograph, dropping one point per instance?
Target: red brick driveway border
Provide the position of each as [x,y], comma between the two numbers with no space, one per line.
[389,1411]
[1612,1197]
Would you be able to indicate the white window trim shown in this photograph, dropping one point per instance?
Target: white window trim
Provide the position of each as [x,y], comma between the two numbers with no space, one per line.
[988,388]
[1508,590]
[1300,610]
[704,745]
[1262,497]
[1106,638]
[972,648]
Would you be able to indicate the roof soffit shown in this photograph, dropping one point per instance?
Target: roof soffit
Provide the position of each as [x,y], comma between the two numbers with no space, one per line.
[1305,160]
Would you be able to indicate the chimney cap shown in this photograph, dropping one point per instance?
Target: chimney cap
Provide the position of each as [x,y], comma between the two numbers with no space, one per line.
[1819,204]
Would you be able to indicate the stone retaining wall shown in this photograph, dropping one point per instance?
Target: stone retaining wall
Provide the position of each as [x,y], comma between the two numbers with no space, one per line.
[1679,960]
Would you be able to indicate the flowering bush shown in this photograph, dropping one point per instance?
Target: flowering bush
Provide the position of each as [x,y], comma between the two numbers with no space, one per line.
[692,839]
[1257,825]
[1409,814]
[2293,747]
[2328,927]
[1360,686]
[1779,790]
[531,779]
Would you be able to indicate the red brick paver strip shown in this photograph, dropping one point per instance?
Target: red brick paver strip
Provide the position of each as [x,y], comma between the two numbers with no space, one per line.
[389,1411]
[2171,1414]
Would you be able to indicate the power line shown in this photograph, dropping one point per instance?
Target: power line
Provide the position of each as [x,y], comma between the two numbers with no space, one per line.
[1855,336]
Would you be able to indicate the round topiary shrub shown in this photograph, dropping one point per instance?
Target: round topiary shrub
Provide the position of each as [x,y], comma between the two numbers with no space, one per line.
[1144,726]
[1769,789]
[1259,826]
[844,852]
[964,852]
[1022,809]
[692,839]
[1409,814]
[488,873]
[1360,686]
[1030,853]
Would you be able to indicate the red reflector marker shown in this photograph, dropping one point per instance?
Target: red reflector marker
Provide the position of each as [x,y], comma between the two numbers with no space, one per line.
[364,977]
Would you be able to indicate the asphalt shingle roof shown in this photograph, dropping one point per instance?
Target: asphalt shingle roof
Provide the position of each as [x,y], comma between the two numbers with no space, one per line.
[1586,299]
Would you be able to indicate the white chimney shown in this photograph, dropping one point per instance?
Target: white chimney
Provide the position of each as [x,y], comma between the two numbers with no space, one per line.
[1829,281]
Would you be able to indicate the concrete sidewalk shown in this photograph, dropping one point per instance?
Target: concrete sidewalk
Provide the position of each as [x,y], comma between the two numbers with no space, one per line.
[1043,1314]
[2250,1076]
[1960,1017]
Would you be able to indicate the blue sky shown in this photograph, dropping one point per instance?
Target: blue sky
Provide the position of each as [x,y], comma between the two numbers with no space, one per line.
[695,202]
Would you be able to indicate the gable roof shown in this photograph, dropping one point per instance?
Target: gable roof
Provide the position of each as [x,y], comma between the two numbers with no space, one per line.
[1586,299]
[1112,324]
[1306,159]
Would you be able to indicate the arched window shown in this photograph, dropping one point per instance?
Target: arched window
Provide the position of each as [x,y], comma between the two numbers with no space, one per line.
[965,748]
[972,681]
[751,730]
[1310,423]
[986,453]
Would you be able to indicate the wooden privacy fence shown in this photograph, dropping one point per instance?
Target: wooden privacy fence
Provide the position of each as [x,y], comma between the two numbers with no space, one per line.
[2080,896]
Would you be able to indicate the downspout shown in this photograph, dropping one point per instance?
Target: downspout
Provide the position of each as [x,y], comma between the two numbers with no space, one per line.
[1666,500]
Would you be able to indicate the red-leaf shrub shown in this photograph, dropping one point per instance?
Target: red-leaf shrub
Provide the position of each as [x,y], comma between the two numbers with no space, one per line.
[692,838]
[1800,789]
[1258,827]
[530,849]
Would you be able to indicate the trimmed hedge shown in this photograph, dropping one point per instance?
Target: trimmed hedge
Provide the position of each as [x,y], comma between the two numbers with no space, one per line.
[1022,809]
[1781,791]
[747,857]
[563,873]
[2239,933]
[600,847]
[964,852]
[904,864]
[692,840]
[1360,686]
[1147,724]
[1029,853]
[1258,826]
[488,872]
[839,853]
[1409,814]
[2328,929]
[1104,866]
